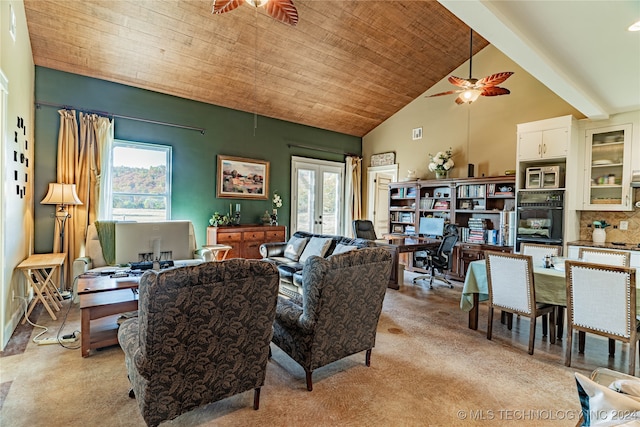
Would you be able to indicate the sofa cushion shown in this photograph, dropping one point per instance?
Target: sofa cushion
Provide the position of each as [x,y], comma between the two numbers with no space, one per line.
[340,248]
[294,248]
[317,246]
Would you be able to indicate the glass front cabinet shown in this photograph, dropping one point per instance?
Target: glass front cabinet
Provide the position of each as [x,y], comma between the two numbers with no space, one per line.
[608,169]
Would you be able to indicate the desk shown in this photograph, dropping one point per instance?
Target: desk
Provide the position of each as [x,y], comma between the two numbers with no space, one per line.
[403,244]
[35,270]
[550,286]
[102,299]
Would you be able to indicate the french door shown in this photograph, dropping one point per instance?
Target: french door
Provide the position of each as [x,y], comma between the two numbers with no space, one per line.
[318,193]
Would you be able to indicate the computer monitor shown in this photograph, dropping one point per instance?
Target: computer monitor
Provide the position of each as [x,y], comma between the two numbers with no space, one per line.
[431,227]
[146,241]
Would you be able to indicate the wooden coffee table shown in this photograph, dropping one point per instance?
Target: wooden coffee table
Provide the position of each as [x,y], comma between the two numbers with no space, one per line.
[102,300]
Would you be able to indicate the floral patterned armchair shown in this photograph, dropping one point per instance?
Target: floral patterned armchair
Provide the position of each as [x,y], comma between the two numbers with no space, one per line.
[202,334]
[337,314]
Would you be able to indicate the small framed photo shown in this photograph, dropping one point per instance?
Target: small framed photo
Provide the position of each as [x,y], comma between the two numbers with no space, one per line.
[242,178]
[397,228]
[417,133]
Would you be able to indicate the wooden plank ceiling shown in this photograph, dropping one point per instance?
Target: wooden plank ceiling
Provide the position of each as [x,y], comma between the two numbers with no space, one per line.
[347,66]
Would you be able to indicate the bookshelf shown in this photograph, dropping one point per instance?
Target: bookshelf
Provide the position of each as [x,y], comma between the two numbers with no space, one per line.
[403,199]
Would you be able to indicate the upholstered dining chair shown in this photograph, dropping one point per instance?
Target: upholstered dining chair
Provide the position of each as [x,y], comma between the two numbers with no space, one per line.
[337,314]
[601,299]
[363,229]
[512,290]
[605,256]
[538,251]
[202,334]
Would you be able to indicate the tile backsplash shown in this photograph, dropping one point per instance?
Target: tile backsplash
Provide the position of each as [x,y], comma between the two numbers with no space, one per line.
[632,235]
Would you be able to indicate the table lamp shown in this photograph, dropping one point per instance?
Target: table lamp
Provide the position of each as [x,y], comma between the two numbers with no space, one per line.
[62,195]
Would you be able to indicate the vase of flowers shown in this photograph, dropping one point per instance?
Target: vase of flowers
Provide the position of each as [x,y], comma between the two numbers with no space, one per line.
[441,163]
[277,203]
[599,233]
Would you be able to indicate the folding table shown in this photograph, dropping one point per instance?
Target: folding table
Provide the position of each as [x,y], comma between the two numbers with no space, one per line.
[39,269]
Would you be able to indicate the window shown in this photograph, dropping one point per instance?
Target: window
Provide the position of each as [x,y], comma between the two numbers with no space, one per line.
[140,182]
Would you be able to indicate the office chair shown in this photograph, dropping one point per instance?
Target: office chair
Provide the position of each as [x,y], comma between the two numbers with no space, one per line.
[363,228]
[442,259]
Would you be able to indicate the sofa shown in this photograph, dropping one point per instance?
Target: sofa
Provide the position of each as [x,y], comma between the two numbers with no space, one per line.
[337,313]
[202,334]
[96,244]
[290,256]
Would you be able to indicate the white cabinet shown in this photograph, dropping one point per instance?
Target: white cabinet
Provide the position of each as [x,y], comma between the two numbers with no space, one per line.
[607,169]
[543,144]
[545,139]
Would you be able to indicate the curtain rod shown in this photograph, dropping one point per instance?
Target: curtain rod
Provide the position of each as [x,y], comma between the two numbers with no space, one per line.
[104,113]
[326,150]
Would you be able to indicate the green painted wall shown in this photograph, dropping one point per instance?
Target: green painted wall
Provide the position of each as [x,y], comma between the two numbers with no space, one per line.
[228,132]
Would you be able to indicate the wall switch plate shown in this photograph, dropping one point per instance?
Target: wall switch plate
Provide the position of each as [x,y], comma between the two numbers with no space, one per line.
[624,225]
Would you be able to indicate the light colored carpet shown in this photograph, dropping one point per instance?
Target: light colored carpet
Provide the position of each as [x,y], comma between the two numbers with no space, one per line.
[427,369]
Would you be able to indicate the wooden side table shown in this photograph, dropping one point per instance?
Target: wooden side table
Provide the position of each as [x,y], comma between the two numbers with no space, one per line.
[35,270]
[219,251]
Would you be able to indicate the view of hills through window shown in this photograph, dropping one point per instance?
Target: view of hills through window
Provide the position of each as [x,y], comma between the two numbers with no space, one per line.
[140,182]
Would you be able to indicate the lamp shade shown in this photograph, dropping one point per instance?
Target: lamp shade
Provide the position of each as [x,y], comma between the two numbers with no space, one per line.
[61,194]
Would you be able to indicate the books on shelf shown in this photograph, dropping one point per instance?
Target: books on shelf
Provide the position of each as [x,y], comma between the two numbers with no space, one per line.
[471,191]
[441,205]
[476,231]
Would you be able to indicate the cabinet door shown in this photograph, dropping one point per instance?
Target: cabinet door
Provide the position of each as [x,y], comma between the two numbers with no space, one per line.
[233,239]
[252,241]
[555,143]
[608,169]
[530,145]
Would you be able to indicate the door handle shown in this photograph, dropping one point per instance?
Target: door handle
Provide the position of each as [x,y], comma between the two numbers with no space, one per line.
[544,148]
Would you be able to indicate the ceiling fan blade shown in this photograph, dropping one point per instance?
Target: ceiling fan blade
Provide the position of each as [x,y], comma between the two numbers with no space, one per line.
[494,91]
[449,92]
[222,6]
[283,11]
[458,81]
[494,79]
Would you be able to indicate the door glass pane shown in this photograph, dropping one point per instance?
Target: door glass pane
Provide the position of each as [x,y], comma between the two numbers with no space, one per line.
[306,200]
[330,203]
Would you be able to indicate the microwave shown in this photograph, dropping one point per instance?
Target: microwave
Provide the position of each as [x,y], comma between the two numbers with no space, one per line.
[545,177]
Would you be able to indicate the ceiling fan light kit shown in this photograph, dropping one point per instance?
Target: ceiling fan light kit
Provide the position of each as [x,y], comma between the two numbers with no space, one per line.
[281,10]
[472,89]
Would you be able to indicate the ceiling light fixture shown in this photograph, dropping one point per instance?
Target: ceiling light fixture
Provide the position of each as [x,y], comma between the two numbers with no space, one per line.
[635,26]
[473,88]
[281,10]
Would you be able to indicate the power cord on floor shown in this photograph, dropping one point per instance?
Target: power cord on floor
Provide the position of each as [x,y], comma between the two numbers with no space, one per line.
[75,335]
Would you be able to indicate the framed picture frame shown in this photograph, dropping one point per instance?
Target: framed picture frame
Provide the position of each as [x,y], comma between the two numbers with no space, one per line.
[397,228]
[383,159]
[242,178]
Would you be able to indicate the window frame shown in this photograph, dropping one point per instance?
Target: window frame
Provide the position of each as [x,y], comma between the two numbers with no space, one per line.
[149,146]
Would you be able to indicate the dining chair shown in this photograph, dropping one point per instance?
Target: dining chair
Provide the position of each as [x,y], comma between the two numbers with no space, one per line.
[601,299]
[605,256]
[512,290]
[602,256]
[538,251]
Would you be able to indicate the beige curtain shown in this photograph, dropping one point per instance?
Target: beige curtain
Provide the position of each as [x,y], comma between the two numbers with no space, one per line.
[79,163]
[352,193]
[66,174]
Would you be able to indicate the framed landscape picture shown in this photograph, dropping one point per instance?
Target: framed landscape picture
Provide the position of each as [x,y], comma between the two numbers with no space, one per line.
[242,178]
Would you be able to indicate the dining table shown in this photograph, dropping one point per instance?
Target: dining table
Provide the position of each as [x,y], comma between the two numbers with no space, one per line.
[549,283]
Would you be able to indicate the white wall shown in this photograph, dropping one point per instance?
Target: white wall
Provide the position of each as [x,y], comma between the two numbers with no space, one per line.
[483,133]
[16,213]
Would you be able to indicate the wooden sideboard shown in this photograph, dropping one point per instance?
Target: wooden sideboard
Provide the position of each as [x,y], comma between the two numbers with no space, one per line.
[245,240]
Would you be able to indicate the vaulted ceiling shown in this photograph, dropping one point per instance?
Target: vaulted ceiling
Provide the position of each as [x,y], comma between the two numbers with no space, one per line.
[348,65]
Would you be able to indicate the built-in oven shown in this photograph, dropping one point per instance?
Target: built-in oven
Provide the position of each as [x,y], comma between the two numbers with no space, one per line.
[539,217]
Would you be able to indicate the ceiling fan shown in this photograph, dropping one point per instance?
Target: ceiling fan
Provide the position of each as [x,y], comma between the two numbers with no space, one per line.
[472,88]
[282,10]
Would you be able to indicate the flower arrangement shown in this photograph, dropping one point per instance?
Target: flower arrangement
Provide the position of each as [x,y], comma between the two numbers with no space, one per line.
[219,219]
[277,200]
[441,162]
[600,224]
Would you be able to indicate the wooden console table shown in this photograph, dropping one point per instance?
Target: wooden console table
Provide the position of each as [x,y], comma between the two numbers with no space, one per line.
[245,240]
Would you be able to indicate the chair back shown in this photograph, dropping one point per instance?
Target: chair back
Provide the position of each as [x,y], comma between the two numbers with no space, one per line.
[604,256]
[444,255]
[510,280]
[538,252]
[601,298]
[363,228]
